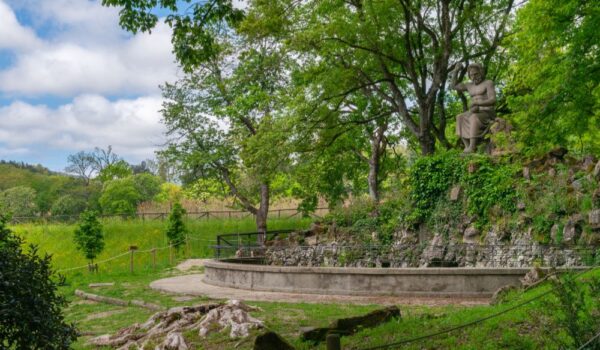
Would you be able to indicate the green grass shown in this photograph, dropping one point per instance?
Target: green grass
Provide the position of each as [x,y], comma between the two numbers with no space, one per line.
[57,240]
[528,327]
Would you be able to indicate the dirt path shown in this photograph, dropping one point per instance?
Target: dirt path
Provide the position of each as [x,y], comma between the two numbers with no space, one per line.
[194,285]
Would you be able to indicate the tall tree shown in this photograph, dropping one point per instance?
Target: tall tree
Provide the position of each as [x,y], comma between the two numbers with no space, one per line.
[222,121]
[401,51]
[554,88]
[81,164]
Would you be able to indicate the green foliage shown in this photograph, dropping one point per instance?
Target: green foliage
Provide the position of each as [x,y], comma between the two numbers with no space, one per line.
[68,205]
[48,186]
[175,227]
[490,185]
[430,179]
[118,170]
[19,201]
[30,307]
[572,308]
[193,40]
[554,89]
[147,185]
[120,197]
[88,236]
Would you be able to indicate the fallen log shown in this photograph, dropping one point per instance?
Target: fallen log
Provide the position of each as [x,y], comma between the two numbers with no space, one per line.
[350,325]
[115,301]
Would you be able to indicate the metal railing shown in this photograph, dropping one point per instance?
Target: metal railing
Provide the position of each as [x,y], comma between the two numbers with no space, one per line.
[228,245]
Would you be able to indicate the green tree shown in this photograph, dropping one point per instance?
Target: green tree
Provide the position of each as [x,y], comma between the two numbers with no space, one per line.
[175,227]
[30,307]
[120,197]
[68,205]
[223,121]
[553,88]
[81,164]
[147,185]
[400,52]
[118,170]
[88,237]
[19,200]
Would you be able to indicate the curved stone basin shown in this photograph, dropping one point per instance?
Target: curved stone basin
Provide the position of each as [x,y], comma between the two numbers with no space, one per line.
[417,282]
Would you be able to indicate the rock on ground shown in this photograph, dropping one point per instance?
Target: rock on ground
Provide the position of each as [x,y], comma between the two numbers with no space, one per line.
[234,314]
[167,327]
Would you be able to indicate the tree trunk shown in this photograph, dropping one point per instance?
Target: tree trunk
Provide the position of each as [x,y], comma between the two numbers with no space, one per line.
[262,212]
[427,143]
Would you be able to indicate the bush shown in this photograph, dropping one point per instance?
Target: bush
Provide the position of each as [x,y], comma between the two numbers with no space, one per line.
[430,178]
[68,205]
[490,185]
[19,201]
[30,308]
[88,236]
[175,227]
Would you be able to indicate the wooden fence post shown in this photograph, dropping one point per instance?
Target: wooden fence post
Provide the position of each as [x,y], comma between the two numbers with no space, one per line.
[132,249]
[187,245]
[333,341]
[154,258]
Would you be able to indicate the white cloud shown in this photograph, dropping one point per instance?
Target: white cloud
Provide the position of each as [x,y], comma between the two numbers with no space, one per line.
[86,53]
[131,126]
[14,36]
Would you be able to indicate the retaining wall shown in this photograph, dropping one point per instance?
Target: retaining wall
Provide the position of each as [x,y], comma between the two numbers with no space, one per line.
[422,282]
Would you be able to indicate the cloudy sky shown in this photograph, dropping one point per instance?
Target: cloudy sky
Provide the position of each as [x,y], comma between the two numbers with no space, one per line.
[71,79]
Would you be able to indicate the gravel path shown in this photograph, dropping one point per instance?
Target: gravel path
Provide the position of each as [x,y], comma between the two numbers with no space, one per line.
[194,285]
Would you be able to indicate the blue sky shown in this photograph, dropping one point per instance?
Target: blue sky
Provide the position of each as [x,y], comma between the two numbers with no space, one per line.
[72,80]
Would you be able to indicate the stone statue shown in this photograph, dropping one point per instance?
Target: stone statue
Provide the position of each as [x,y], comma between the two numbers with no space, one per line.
[471,126]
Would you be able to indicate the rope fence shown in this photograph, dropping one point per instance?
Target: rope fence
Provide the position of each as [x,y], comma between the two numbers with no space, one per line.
[133,250]
[397,344]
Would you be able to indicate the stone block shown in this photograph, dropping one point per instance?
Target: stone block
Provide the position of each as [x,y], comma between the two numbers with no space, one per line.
[471,235]
[527,173]
[594,218]
[455,193]
[596,172]
[571,232]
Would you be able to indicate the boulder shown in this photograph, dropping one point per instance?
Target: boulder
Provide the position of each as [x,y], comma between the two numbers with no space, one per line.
[471,235]
[434,253]
[594,218]
[455,193]
[571,231]
[532,277]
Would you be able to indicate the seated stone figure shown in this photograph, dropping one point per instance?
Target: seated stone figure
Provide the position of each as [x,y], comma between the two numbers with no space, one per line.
[471,126]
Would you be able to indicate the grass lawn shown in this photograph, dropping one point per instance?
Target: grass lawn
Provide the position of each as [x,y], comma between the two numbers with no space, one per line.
[533,326]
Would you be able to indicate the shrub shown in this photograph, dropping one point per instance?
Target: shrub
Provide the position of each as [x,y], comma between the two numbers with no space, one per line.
[68,205]
[88,236]
[30,308]
[175,227]
[429,180]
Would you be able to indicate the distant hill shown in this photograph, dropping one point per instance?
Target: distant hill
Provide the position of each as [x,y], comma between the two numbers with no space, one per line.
[48,185]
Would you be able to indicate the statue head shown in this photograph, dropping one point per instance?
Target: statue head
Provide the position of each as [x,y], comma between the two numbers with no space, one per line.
[476,72]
